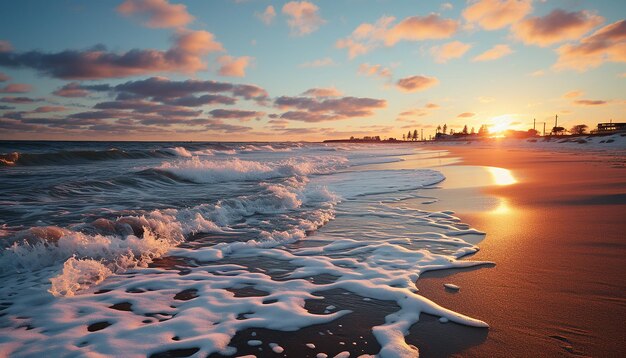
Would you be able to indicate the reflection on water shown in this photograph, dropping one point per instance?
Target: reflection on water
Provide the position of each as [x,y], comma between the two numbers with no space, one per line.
[502,208]
[501,176]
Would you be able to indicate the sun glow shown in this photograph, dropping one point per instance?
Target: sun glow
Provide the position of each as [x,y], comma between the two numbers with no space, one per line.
[501,176]
[500,124]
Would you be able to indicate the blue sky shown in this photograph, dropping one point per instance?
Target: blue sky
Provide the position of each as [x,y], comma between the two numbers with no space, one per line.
[541,65]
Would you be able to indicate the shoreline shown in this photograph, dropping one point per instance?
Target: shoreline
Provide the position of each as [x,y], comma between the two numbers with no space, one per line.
[558,285]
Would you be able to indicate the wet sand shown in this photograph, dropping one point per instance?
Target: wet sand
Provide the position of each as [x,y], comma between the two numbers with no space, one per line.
[558,238]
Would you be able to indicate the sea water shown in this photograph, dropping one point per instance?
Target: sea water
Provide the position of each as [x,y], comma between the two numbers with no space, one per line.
[139,249]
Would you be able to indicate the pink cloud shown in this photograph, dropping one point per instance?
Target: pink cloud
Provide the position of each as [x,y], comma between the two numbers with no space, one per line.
[49,109]
[4,77]
[322,92]
[494,53]
[466,115]
[157,13]
[496,14]
[608,44]
[303,17]
[416,83]
[16,88]
[573,94]
[233,66]
[266,16]
[415,28]
[185,56]
[451,50]
[5,46]
[557,26]
[375,70]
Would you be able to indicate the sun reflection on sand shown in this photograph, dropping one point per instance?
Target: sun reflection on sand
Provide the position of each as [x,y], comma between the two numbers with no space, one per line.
[502,208]
[501,176]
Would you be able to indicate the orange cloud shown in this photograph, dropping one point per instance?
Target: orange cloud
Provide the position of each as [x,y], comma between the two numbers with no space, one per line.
[267,16]
[185,56]
[608,44]
[233,66]
[3,77]
[48,109]
[322,62]
[496,14]
[5,46]
[416,83]
[454,49]
[323,92]
[415,28]
[494,53]
[557,26]
[466,115]
[573,94]
[303,17]
[374,70]
[157,13]
[16,88]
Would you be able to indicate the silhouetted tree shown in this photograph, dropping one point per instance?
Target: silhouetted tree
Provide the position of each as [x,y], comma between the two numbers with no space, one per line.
[408,136]
[404,137]
[445,128]
[532,132]
[483,131]
[465,129]
[415,137]
[558,130]
[473,131]
[438,129]
[579,129]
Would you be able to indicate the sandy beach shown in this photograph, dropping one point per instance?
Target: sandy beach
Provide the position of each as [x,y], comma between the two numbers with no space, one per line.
[557,237]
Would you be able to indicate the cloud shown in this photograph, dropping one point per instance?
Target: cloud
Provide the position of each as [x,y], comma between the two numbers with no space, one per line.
[185,56]
[573,94]
[446,6]
[75,89]
[309,109]
[157,13]
[233,66]
[20,100]
[322,62]
[466,115]
[220,126]
[375,70]
[236,114]
[266,16]
[608,44]
[48,109]
[538,73]
[410,114]
[558,26]
[16,88]
[416,83]
[4,77]
[161,88]
[322,92]
[5,46]
[494,53]
[303,17]
[496,14]
[454,49]
[590,102]
[415,28]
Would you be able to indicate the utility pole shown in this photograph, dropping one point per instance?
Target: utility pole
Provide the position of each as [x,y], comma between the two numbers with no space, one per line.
[534,121]
[556,120]
[422,134]
[544,129]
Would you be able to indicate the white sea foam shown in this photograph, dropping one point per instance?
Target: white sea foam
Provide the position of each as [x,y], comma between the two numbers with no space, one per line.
[178,151]
[377,249]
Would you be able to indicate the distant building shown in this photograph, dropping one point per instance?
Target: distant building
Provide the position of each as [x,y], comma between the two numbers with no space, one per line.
[611,127]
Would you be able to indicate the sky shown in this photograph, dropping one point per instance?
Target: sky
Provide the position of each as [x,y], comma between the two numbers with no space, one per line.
[252,70]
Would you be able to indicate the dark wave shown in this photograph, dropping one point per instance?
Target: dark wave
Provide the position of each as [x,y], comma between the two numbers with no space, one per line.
[74,157]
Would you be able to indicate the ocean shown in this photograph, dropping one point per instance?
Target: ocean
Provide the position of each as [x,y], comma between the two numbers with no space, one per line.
[180,249]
